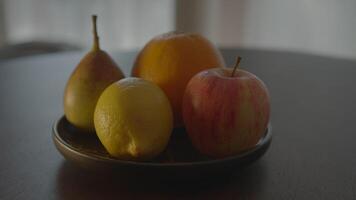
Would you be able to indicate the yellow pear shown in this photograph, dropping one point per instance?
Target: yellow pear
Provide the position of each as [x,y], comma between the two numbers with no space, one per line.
[92,75]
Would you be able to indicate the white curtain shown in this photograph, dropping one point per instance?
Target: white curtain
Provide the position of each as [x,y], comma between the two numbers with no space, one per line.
[122,24]
[2,23]
[324,27]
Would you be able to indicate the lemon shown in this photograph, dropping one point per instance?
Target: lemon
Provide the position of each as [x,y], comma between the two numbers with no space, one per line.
[133,119]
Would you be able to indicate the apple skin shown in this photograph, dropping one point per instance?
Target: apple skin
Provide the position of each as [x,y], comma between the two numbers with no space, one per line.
[225,115]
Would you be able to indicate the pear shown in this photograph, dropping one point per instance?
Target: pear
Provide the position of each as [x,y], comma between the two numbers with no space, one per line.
[92,75]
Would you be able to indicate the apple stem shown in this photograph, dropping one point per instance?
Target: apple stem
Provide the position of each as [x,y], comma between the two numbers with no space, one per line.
[96,45]
[236,66]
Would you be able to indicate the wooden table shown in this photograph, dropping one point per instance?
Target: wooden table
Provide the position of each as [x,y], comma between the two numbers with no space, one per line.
[312,156]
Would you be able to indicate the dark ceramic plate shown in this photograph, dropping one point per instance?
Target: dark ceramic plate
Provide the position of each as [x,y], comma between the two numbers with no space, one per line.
[179,161]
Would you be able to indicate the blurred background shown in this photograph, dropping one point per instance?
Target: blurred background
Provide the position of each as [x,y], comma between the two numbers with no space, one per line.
[322,27]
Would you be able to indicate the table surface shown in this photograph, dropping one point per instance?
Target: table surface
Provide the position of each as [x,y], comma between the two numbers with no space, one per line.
[312,155]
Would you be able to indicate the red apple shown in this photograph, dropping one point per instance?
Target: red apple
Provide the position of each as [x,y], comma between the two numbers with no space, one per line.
[225,111]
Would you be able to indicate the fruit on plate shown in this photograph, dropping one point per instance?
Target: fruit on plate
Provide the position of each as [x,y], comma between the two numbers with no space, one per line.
[133,119]
[93,74]
[225,111]
[170,60]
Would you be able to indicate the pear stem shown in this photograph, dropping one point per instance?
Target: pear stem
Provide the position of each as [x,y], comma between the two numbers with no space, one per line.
[96,45]
[236,66]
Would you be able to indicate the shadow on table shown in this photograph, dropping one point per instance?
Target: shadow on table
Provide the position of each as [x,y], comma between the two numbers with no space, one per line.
[75,183]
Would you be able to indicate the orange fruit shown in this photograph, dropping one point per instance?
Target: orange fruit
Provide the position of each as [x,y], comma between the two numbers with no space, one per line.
[170,60]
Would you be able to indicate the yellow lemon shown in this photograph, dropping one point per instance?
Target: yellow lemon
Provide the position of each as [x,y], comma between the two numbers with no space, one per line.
[133,119]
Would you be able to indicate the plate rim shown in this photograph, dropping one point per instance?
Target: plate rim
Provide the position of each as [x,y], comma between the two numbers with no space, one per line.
[57,139]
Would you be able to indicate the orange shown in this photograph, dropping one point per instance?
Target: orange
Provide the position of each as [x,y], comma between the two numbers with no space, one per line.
[170,60]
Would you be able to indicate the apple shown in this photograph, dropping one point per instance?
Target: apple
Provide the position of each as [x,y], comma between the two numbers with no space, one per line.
[225,111]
